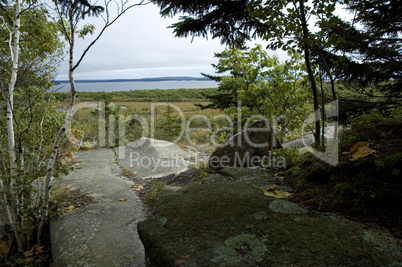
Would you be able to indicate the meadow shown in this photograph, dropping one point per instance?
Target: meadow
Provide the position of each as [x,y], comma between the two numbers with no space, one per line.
[160,114]
[154,95]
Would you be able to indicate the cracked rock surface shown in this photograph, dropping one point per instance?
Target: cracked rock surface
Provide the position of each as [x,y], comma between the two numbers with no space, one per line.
[103,233]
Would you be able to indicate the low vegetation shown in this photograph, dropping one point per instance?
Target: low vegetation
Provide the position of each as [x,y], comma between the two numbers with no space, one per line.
[365,185]
[154,95]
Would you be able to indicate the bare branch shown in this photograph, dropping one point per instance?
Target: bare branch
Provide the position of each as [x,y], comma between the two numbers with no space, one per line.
[109,23]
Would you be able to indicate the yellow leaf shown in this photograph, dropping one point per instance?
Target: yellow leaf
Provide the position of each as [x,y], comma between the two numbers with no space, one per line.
[362,152]
[133,165]
[357,146]
[123,199]
[70,208]
[276,193]
[137,187]
[69,186]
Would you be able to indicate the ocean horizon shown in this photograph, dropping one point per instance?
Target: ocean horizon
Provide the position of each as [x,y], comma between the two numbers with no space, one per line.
[136,84]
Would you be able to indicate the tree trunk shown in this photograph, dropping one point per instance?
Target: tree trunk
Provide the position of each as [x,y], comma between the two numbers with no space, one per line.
[306,48]
[62,130]
[13,198]
[14,51]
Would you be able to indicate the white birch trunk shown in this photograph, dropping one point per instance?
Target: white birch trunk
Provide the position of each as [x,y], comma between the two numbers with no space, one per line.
[55,149]
[13,201]
[14,50]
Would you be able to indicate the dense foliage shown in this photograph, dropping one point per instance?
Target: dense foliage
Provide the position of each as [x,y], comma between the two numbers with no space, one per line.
[40,49]
[367,50]
[261,85]
[34,118]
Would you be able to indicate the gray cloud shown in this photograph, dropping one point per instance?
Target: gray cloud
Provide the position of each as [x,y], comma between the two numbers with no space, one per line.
[139,45]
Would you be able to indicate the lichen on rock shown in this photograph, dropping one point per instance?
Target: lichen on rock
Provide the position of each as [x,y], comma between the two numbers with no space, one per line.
[283,206]
[246,248]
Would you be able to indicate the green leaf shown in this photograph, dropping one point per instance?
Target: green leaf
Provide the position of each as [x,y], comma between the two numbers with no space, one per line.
[86,29]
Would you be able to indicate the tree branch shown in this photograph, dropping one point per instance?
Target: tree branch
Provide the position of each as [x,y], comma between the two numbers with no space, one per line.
[105,27]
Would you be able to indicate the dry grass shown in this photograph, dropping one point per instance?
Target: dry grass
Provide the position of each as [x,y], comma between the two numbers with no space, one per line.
[144,108]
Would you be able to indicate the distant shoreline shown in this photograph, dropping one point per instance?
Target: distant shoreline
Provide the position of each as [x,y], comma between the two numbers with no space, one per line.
[135,84]
[155,79]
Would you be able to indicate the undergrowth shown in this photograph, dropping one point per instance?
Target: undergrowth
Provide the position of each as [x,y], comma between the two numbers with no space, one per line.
[367,189]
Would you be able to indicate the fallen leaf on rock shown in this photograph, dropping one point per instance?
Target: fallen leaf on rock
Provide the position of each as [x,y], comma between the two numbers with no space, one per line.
[183,259]
[69,186]
[124,178]
[70,208]
[357,146]
[137,187]
[133,165]
[276,193]
[123,199]
[362,152]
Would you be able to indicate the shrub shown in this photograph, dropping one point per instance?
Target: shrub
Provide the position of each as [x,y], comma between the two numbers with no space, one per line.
[372,126]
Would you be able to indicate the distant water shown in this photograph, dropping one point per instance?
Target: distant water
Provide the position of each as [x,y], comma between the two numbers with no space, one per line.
[134,85]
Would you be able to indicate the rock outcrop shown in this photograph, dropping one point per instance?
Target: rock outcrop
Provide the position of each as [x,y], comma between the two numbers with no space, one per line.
[102,233]
[247,148]
[230,222]
[151,158]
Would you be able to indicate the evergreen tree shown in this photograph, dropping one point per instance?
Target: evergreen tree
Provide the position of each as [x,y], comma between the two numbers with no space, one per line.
[368,50]
[169,127]
[284,23]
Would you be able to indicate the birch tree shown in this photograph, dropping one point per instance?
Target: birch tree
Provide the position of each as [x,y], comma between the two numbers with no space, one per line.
[14,47]
[28,57]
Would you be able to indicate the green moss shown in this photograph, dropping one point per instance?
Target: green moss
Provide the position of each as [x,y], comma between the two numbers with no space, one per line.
[234,224]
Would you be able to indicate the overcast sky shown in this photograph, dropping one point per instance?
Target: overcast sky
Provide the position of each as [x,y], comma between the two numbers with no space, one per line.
[139,45]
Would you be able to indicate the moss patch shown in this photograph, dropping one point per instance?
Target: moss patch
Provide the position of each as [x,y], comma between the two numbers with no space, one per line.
[234,224]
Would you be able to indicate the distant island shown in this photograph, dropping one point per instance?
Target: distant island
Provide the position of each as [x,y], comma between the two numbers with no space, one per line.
[155,79]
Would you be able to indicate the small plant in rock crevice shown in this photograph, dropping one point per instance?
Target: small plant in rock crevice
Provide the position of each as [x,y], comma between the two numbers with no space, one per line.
[155,187]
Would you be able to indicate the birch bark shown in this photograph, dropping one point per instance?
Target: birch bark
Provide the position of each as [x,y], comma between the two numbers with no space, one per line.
[13,198]
[67,121]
